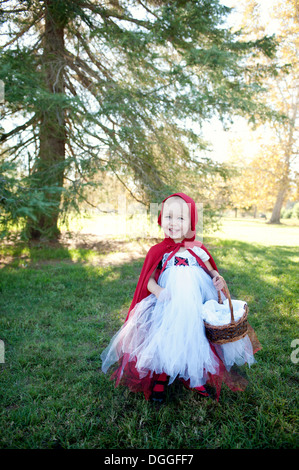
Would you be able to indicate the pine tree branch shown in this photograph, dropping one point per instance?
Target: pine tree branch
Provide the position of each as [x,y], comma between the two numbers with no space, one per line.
[5,137]
[21,10]
[125,186]
[105,13]
[70,86]
[100,66]
[83,197]
[74,61]
[16,148]
[37,17]
[147,9]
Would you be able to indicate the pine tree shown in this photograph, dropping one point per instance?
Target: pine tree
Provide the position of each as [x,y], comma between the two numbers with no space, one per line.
[114,86]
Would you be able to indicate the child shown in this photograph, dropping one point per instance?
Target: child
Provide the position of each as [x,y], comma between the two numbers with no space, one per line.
[163,337]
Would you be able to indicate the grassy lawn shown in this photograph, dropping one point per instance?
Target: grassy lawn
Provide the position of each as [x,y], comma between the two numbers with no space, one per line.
[61,304]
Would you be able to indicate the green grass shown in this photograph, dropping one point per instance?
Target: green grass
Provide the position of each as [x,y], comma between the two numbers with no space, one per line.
[59,309]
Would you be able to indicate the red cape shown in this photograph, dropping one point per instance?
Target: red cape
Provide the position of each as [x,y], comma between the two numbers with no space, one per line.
[126,373]
[156,252]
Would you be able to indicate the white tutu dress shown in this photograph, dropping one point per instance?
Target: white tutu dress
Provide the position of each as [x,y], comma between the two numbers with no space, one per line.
[168,335]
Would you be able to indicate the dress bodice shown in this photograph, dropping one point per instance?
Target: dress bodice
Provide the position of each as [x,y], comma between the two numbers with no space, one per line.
[185,258]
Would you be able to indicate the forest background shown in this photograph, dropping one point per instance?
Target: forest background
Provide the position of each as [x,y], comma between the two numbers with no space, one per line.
[147,98]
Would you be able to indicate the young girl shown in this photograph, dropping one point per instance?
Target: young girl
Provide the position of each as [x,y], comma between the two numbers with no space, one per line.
[163,337]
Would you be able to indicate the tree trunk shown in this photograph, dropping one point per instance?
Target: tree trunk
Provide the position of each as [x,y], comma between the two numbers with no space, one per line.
[275,216]
[285,180]
[288,154]
[48,170]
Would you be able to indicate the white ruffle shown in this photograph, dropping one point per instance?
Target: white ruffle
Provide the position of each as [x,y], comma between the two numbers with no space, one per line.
[219,314]
[238,352]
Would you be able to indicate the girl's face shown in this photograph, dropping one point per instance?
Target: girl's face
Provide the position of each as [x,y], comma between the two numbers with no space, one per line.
[175,220]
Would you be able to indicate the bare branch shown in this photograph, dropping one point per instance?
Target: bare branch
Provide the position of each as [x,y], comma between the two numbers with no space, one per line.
[147,9]
[16,148]
[25,29]
[100,66]
[105,13]
[125,186]
[5,137]
[74,61]
[15,11]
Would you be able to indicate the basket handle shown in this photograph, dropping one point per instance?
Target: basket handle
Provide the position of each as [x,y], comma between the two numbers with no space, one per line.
[227,294]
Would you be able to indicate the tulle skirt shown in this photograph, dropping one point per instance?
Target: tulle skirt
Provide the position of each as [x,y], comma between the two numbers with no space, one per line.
[168,335]
[238,352]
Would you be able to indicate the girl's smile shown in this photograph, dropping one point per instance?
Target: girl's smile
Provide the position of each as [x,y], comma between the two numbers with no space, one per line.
[176,219]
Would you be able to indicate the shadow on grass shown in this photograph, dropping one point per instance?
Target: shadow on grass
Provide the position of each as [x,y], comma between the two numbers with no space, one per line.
[80,249]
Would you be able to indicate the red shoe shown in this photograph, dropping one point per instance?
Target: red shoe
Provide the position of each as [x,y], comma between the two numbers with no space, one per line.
[159,392]
[202,391]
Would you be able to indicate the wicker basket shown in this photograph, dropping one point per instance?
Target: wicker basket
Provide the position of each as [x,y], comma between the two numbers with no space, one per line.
[232,331]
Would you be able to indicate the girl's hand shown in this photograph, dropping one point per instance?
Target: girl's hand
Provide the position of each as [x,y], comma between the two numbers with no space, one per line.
[218,282]
[159,291]
[163,295]
[154,287]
